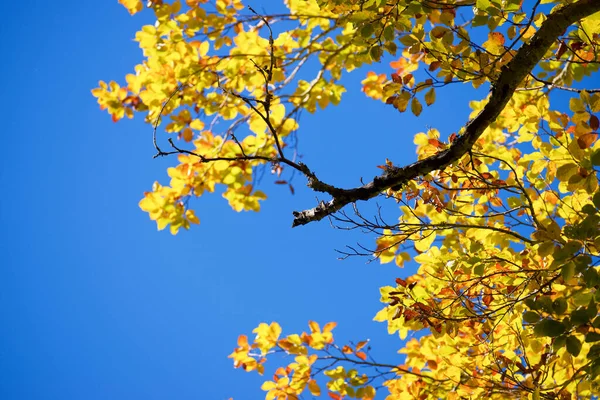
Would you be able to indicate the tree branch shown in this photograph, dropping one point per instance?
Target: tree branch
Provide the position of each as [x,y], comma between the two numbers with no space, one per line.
[511,76]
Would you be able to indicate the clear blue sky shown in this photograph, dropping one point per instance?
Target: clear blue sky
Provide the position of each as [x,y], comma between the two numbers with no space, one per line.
[94,302]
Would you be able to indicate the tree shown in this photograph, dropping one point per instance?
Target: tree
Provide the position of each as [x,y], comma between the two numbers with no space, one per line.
[503,215]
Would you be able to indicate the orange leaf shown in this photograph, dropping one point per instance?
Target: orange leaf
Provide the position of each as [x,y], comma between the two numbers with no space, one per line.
[361,355]
[335,396]
[436,143]
[362,344]
[329,326]
[242,341]
[497,37]
[188,134]
[314,388]
[347,349]
[496,201]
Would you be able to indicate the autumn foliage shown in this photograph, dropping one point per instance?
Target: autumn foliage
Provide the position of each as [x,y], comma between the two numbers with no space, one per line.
[502,216]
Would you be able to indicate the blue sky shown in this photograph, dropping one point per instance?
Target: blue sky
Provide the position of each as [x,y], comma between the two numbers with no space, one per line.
[95,303]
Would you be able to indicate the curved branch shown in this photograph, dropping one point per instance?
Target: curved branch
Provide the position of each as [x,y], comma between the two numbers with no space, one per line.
[511,76]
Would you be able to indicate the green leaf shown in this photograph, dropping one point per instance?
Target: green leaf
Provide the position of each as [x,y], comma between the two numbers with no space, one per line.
[589,209]
[531,317]
[545,303]
[430,97]
[568,270]
[388,33]
[596,200]
[592,337]
[479,269]
[482,4]
[532,304]
[376,52]
[367,30]
[559,343]
[595,158]
[573,346]
[549,327]
[594,352]
[583,298]
[416,107]
[559,306]
[590,277]
[580,317]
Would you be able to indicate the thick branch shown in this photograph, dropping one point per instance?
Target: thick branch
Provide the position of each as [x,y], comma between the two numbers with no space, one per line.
[511,76]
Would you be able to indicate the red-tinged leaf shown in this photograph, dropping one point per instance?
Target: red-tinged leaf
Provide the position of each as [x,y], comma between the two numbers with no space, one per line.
[576,46]
[361,355]
[499,182]
[586,140]
[583,172]
[361,344]
[452,137]
[486,175]
[280,182]
[497,37]
[594,123]
[434,65]
[436,143]
[432,364]
[347,349]
[487,299]
[396,78]
[335,396]
[390,100]
[406,78]
[401,282]
[114,118]
[454,178]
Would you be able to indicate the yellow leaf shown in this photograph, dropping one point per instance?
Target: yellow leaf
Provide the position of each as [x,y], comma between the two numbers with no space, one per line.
[425,242]
[133,6]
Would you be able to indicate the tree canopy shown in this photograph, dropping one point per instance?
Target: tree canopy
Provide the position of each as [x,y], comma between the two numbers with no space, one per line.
[502,216]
